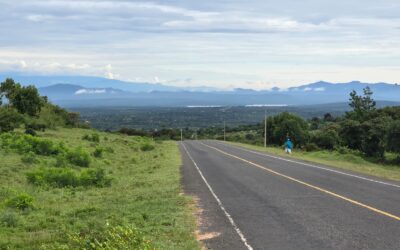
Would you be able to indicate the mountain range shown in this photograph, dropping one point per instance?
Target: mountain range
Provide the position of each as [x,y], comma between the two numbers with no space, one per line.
[86,91]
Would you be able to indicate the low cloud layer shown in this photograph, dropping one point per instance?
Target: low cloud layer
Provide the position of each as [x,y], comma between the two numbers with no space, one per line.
[255,44]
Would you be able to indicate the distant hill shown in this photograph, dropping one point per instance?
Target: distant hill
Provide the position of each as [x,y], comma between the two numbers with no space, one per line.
[84,91]
[87,82]
[73,92]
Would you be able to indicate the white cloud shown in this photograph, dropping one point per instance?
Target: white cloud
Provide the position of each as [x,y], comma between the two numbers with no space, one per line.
[231,44]
[90,91]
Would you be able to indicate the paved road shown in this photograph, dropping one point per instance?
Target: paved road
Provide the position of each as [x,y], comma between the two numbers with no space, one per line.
[251,200]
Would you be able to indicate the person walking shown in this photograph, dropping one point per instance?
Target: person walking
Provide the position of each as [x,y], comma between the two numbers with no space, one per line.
[288,146]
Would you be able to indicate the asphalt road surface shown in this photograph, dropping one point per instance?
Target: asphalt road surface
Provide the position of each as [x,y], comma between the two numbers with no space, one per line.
[251,200]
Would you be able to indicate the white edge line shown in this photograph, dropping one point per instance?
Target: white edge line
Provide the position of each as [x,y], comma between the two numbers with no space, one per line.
[220,203]
[310,165]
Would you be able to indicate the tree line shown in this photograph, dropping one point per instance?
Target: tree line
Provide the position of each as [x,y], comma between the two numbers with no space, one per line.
[365,129]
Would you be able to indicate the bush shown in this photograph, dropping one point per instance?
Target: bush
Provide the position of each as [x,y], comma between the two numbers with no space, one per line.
[98,152]
[56,177]
[249,137]
[94,177]
[22,201]
[93,137]
[29,158]
[120,237]
[344,150]
[9,219]
[78,157]
[326,139]
[28,143]
[36,126]
[66,177]
[287,124]
[9,119]
[30,131]
[311,147]
[393,136]
[61,161]
[147,147]
[42,146]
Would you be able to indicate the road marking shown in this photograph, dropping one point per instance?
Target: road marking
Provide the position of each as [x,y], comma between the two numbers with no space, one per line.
[313,166]
[307,184]
[220,203]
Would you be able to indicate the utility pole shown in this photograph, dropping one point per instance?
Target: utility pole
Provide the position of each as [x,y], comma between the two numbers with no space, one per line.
[181,135]
[224,131]
[265,128]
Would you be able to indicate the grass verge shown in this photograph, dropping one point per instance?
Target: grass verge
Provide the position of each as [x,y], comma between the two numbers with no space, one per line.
[335,159]
[142,205]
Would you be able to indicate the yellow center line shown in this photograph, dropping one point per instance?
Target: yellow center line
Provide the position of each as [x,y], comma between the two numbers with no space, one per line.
[308,185]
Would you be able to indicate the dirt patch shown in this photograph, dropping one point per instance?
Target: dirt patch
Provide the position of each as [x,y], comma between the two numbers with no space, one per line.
[201,233]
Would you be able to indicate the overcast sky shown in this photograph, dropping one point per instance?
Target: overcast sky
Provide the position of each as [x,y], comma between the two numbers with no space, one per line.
[248,44]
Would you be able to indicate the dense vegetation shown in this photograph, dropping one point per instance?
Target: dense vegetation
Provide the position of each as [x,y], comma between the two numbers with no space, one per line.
[156,118]
[21,105]
[151,118]
[65,187]
[364,129]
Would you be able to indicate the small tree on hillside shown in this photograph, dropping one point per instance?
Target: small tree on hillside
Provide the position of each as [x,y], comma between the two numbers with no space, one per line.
[362,104]
[24,99]
[9,119]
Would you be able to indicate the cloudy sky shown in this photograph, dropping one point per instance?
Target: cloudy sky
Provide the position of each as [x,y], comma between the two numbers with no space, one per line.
[251,44]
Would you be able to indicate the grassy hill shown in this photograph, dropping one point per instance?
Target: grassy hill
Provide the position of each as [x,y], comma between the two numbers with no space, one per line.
[79,188]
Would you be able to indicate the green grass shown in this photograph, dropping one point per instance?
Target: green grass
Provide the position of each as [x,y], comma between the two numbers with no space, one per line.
[348,161]
[145,194]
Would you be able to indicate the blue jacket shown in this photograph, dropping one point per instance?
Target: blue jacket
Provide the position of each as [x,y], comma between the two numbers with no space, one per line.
[289,144]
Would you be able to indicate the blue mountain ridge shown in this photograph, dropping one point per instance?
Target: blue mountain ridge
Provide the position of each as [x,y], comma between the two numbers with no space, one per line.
[81,91]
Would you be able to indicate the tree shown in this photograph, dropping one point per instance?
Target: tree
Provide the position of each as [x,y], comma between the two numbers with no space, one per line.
[24,99]
[393,136]
[289,125]
[351,133]
[374,135]
[328,117]
[9,119]
[362,105]
[27,101]
[326,139]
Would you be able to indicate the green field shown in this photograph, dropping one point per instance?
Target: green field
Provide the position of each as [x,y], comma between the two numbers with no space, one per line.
[142,205]
[348,161]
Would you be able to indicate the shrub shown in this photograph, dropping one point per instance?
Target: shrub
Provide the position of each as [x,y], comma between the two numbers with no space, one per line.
[66,177]
[93,137]
[36,126]
[343,150]
[109,149]
[57,177]
[311,147]
[29,158]
[94,177]
[30,131]
[61,161]
[42,146]
[22,201]
[78,157]
[9,119]
[120,237]
[147,147]
[287,124]
[27,143]
[249,137]
[9,219]
[326,139]
[98,152]
[393,136]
